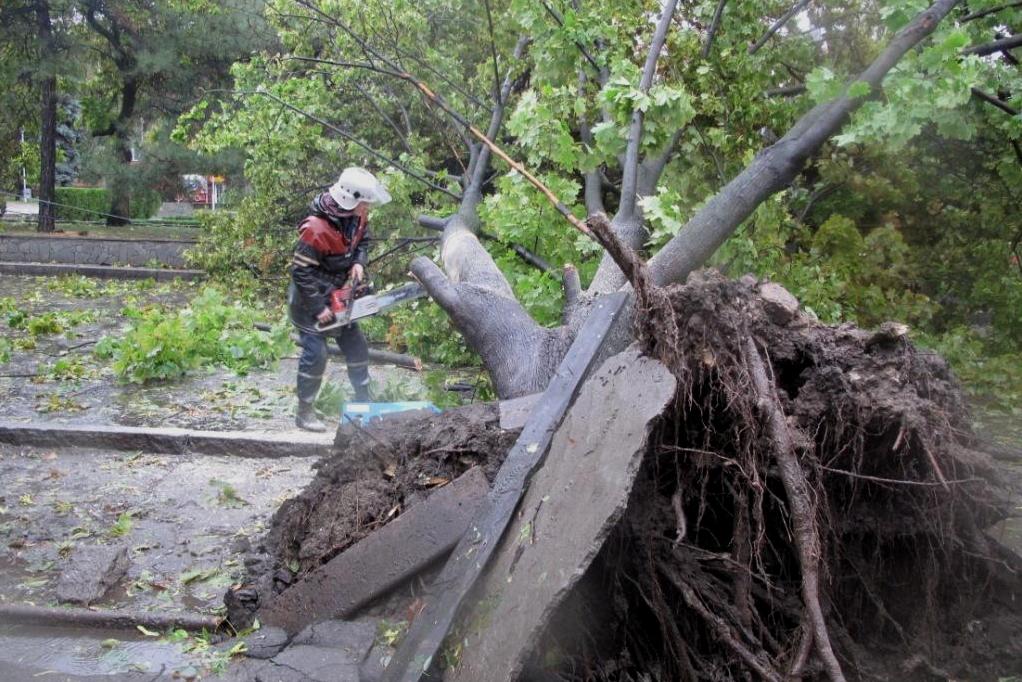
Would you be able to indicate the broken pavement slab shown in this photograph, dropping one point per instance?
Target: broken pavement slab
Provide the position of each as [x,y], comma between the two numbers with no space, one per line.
[353,637]
[265,642]
[573,502]
[304,663]
[91,571]
[382,560]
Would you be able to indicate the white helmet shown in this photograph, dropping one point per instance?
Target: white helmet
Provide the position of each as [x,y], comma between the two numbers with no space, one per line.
[358,184]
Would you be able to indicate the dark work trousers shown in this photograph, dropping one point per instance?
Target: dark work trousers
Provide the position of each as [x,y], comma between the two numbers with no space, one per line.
[312,364]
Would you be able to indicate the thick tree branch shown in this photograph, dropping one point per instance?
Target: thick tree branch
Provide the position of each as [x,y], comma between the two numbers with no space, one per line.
[718,14]
[638,177]
[778,25]
[994,101]
[351,138]
[1002,45]
[592,182]
[630,168]
[778,165]
[572,292]
[990,10]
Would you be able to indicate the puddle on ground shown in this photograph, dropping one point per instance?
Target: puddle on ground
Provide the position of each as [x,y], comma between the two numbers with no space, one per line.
[49,653]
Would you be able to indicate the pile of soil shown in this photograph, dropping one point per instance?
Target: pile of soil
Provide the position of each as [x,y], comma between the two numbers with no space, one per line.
[374,474]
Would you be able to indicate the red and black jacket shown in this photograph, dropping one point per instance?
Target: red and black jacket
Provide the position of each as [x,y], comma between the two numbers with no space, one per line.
[328,246]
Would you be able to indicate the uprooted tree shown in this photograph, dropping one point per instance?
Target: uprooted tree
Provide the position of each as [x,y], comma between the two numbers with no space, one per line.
[757,541]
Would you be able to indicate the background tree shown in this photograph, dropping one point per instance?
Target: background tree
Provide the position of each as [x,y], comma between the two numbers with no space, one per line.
[155,58]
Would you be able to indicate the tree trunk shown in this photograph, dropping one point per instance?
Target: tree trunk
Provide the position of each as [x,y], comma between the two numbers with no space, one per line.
[120,205]
[48,121]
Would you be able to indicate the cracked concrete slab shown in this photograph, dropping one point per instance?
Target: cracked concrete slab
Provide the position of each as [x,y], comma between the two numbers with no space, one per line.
[572,504]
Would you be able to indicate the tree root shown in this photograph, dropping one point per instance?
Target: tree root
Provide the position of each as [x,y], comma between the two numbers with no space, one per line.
[807,536]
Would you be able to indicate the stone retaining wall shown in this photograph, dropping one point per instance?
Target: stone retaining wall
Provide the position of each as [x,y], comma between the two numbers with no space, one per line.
[93,250]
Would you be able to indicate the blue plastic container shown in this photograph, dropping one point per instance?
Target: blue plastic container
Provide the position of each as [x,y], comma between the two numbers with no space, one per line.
[370,413]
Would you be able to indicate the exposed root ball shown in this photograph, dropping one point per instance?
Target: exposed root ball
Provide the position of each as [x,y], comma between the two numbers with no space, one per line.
[814,508]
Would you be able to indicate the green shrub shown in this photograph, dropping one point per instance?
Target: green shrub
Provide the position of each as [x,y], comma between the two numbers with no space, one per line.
[82,203]
[144,204]
[93,203]
[210,331]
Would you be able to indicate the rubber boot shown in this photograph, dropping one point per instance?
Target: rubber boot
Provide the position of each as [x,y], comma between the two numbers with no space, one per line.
[362,393]
[306,418]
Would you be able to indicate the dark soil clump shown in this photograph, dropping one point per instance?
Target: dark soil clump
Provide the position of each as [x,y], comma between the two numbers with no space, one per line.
[374,474]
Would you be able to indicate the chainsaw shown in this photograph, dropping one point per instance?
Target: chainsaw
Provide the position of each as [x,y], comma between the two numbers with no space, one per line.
[353,301]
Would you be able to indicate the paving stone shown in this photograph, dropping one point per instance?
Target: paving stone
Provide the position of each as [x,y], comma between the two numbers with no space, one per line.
[572,504]
[90,572]
[383,560]
[265,642]
[313,663]
[353,637]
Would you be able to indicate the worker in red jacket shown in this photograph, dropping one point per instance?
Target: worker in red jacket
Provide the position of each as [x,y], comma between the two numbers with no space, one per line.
[333,247]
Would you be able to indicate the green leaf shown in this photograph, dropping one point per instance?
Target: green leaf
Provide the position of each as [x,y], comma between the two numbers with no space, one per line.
[859,89]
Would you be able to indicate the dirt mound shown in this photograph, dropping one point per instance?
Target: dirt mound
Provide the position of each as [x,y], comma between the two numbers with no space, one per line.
[814,508]
[374,474]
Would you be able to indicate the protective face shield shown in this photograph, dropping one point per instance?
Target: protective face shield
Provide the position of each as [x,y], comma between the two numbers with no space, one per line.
[356,185]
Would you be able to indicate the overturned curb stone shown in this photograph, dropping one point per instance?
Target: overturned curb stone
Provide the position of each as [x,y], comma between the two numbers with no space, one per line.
[166,440]
[573,502]
[90,572]
[382,560]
